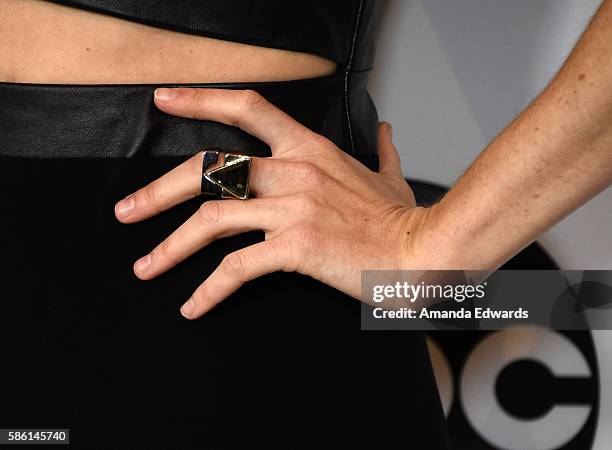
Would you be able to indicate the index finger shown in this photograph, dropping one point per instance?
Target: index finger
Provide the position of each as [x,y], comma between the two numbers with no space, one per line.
[245,109]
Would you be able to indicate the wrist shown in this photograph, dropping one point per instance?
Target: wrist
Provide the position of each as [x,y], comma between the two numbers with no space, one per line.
[455,236]
[425,248]
[441,241]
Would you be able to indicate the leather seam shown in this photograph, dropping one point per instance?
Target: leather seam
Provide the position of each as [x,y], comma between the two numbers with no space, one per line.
[347,74]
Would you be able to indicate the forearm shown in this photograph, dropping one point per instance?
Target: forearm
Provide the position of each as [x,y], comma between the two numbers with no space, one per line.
[551,159]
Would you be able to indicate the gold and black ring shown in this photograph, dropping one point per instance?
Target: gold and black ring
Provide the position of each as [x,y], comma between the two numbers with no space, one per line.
[225,174]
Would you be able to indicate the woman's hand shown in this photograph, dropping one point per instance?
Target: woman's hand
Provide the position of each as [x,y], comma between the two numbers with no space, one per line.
[324,214]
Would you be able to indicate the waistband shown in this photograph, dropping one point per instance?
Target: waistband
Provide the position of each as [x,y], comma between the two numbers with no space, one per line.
[121,120]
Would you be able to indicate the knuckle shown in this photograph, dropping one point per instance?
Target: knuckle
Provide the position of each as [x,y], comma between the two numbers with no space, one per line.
[210,212]
[310,172]
[165,253]
[202,294]
[152,193]
[251,101]
[320,142]
[308,203]
[234,264]
[319,146]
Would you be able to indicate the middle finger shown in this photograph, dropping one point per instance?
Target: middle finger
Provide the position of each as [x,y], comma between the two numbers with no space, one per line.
[213,220]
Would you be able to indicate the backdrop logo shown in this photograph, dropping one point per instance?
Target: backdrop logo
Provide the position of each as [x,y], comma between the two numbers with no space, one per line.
[522,388]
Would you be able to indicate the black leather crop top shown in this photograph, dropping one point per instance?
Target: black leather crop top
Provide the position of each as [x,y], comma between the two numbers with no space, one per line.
[337,30]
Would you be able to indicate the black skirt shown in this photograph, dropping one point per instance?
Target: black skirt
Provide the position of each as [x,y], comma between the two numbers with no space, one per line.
[281,364]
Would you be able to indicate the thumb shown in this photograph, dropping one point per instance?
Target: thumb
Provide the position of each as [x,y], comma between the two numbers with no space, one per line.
[389,160]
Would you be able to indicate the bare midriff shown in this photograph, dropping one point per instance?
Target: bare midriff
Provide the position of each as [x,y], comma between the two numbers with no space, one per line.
[42,42]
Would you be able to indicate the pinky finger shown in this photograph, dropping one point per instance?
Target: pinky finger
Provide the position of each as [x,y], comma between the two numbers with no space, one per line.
[236,269]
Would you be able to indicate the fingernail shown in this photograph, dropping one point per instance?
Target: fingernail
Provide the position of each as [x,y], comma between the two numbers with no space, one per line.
[125,207]
[187,308]
[165,94]
[142,264]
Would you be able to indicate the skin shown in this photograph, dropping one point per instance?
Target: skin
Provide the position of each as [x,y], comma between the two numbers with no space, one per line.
[44,42]
[308,178]
[551,159]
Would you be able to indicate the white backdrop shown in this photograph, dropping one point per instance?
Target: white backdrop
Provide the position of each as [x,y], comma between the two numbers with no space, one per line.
[450,74]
